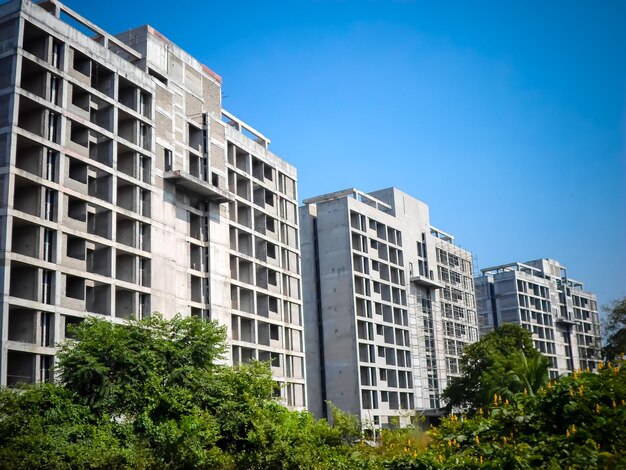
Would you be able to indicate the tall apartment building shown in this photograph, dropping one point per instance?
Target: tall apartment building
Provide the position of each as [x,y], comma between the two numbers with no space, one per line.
[389,305]
[538,295]
[126,189]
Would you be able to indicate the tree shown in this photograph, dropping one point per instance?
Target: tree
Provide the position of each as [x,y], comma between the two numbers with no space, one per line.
[115,368]
[614,327]
[155,394]
[43,426]
[504,362]
[577,421]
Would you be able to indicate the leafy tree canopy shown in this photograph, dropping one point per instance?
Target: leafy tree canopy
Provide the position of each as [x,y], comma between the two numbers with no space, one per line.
[168,403]
[577,422]
[504,362]
[614,327]
[154,394]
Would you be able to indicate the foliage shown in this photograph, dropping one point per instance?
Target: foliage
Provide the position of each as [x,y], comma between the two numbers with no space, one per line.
[116,368]
[151,394]
[614,327]
[167,403]
[578,421]
[43,426]
[152,375]
[503,362]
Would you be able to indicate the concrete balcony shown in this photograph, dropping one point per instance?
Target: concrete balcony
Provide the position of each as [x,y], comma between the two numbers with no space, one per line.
[426,281]
[197,186]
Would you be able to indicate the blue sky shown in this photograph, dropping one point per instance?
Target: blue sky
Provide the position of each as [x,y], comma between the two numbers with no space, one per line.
[508,119]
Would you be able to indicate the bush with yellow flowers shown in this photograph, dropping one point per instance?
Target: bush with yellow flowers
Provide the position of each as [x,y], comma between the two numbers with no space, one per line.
[577,422]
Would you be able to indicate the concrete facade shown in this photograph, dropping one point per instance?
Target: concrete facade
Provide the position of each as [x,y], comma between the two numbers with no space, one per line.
[125,189]
[389,305]
[539,296]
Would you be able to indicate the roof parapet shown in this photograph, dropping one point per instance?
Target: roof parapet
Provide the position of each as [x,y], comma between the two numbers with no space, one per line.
[521,267]
[245,129]
[351,193]
[56,8]
[435,232]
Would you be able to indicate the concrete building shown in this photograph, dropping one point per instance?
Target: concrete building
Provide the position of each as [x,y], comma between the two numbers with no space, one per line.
[389,305]
[539,296]
[125,189]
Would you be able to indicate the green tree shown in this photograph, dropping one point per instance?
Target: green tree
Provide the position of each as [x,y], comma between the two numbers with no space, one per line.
[578,422]
[154,394]
[614,327]
[43,426]
[504,362]
[115,368]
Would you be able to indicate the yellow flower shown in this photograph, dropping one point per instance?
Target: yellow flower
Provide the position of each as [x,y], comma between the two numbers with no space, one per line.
[600,366]
[597,409]
[506,402]
[580,391]
[525,391]
[480,411]
[481,459]
[571,392]
[616,370]
[614,404]
[504,439]
[573,428]
[567,433]
[477,440]
[495,399]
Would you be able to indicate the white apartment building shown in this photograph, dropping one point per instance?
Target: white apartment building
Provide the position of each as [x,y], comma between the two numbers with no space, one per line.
[125,189]
[389,305]
[538,295]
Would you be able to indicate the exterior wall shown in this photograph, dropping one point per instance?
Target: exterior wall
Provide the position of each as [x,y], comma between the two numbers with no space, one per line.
[537,295]
[264,259]
[457,303]
[313,327]
[373,320]
[116,198]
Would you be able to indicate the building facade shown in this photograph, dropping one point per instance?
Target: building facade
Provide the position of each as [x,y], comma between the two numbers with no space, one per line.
[538,295]
[389,305]
[126,189]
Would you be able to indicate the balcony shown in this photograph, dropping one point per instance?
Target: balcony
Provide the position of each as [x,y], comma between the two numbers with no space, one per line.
[426,281]
[565,320]
[197,186]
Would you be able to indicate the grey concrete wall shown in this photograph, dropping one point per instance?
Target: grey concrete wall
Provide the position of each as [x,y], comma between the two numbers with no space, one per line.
[337,306]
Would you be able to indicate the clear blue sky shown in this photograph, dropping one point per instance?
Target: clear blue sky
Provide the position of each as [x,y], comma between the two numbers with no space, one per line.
[508,119]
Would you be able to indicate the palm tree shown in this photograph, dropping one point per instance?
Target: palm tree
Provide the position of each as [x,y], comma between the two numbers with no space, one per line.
[519,372]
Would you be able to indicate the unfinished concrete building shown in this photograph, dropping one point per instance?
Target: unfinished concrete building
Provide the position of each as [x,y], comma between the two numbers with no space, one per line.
[389,305]
[538,295]
[126,189]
